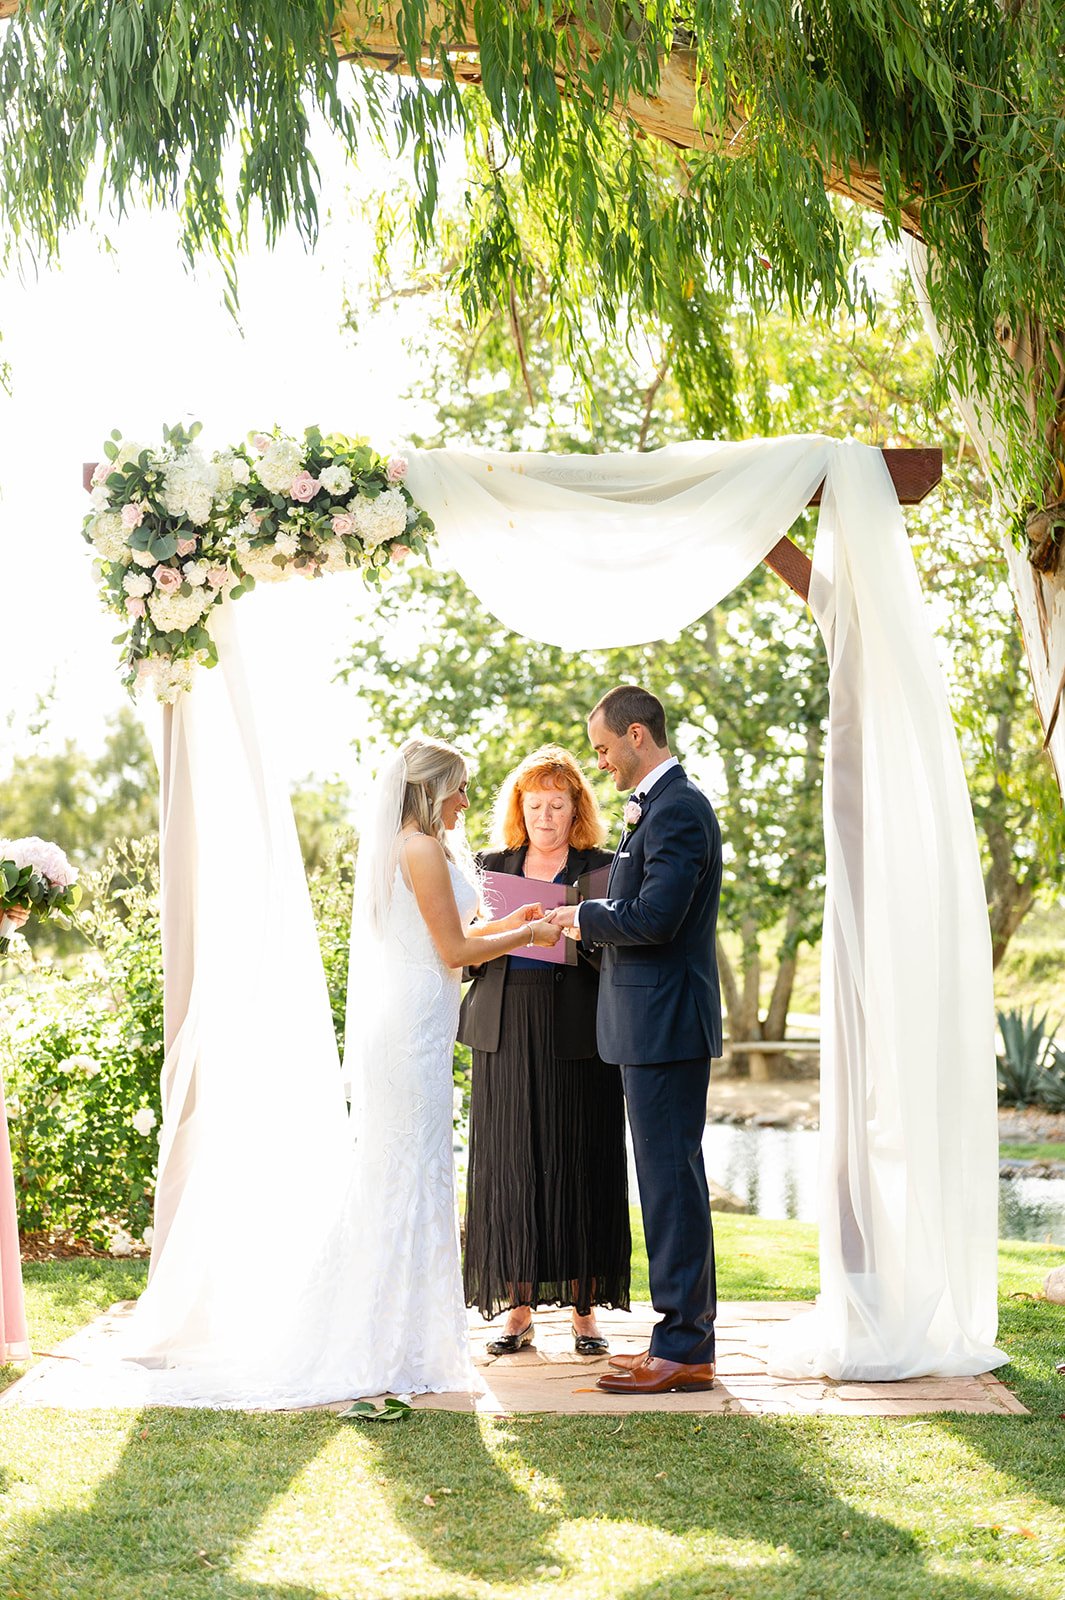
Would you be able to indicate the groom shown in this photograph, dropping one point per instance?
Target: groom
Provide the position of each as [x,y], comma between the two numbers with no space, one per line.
[660,1019]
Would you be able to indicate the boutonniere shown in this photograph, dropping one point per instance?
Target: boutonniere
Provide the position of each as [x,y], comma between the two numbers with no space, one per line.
[631,815]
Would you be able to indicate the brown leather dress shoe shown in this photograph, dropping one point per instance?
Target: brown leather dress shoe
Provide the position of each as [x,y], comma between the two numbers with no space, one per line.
[655,1376]
[625,1363]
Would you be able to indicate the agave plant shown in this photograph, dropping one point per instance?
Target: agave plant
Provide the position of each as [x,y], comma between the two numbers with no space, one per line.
[1031,1068]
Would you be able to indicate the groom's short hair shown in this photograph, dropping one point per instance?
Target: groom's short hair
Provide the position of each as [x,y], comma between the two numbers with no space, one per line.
[628,703]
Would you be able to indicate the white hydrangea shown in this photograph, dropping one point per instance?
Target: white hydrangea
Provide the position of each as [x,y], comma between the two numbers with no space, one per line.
[196,573]
[137,584]
[336,556]
[144,558]
[169,677]
[189,487]
[287,542]
[108,536]
[100,497]
[335,479]
[177,612]
[259,563]
[379,519]
[280,463]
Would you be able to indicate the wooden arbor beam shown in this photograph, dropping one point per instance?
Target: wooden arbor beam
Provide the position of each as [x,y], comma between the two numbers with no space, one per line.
[914,473]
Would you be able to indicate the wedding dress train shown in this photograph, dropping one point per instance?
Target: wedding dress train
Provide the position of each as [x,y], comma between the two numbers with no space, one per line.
[376,1305]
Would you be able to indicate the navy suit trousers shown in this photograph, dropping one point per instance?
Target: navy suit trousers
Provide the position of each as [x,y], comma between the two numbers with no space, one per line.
[667,1113]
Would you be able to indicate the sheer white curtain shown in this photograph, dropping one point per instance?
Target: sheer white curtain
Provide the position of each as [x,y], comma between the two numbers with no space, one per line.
[254,1137]
[628,548]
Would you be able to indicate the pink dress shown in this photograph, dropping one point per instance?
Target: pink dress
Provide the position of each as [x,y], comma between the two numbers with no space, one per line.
[14,1342]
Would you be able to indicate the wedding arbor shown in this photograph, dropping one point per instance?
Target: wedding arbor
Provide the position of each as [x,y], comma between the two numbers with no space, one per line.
[634,548]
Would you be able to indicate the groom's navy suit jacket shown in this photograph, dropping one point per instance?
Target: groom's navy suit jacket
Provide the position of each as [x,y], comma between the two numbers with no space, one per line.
[659,996]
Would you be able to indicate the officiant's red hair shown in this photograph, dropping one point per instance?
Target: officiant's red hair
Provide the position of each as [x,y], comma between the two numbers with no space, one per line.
[548,768]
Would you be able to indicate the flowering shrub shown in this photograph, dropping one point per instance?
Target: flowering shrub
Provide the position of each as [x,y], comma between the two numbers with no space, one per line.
[81,1057]
[176,533]
[81,1054]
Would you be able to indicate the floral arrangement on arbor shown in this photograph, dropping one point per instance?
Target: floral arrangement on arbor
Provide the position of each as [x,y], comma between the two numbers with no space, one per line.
[176,533]
[35,876]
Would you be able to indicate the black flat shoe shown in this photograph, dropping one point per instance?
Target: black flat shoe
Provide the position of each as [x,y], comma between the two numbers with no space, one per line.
[589,1344]
[509,1344]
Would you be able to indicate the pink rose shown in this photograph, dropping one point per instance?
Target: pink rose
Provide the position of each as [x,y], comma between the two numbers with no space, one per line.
[399,552]
[216,576]
[262,442]
[167,579]
[135,606]
[396,470]
[303,487]
[256,517]
[343,524]
[185,547]
[631,814]
[132,517]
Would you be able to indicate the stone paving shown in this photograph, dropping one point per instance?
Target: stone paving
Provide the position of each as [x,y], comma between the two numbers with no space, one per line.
[550,1377]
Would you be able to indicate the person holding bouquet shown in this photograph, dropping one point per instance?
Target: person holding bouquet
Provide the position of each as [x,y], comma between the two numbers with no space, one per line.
[35,878]
[14,1344]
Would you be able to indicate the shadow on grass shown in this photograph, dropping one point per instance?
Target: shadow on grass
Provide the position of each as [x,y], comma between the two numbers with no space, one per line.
[170,1517]
[742,1507]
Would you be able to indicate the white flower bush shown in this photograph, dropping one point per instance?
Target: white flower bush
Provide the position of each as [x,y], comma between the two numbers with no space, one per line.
[176,533]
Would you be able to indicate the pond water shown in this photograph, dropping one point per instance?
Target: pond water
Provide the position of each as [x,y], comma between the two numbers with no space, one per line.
[775,1171]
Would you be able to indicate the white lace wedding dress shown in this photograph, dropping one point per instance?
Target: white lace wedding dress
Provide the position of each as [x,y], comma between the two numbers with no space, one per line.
[376,1305]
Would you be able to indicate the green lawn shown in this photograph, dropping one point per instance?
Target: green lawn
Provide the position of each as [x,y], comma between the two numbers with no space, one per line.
[1031,1152]
[201,1505]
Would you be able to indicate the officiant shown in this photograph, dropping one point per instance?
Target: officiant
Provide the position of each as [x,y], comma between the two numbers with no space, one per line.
[547,1212]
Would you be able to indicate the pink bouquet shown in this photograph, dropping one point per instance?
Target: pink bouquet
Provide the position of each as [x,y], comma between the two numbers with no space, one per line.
[35,876]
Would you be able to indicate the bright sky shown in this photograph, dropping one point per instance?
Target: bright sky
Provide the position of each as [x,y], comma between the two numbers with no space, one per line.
[131,340]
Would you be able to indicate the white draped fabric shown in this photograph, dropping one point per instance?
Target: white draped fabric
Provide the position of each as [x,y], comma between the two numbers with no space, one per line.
[628,548]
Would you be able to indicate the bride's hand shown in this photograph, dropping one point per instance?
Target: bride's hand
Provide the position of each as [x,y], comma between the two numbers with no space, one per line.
[20,914]
[524,914]
[546,934]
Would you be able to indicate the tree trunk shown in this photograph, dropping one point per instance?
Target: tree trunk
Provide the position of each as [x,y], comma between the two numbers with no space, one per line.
[776,1020]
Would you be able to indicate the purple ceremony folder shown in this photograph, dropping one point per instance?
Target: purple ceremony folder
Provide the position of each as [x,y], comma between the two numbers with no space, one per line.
[506,891]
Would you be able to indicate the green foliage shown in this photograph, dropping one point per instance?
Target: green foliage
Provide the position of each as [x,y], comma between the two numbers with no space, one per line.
[82,1056]
[950,118]
[331,881]
[746,686]
[1031,1068]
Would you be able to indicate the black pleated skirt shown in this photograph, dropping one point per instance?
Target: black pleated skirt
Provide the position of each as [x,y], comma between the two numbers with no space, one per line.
[547,1206]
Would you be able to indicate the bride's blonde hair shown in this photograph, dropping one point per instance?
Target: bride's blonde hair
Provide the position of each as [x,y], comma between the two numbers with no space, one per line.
[435,771]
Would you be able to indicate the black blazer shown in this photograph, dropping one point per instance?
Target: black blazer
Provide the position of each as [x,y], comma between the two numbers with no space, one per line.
[659,997]
[576,988]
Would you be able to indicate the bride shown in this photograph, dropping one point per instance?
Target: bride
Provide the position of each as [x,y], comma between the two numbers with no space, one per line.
[413,931]
[361,1293]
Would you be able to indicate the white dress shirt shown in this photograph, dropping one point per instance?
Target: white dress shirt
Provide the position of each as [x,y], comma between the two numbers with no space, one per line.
[641,791]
